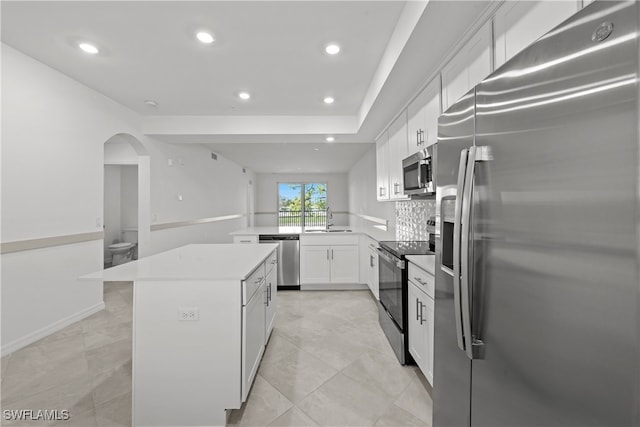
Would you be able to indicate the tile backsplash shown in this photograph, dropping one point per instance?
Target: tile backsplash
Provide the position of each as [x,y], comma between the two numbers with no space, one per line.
[411,219]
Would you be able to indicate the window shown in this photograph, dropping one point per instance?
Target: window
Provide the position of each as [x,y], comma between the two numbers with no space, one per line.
[310,214]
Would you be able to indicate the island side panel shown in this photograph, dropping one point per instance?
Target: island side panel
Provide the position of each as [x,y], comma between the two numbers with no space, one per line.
[186,372]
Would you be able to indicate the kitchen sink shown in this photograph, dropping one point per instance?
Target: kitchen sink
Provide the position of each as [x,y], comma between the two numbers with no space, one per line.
[328,231]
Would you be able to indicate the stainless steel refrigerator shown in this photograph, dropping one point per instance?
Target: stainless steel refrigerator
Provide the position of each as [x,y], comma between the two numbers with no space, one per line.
[537,319]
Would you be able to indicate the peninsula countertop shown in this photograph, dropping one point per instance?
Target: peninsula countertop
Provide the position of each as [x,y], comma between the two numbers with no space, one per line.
[375,233]
[192,262]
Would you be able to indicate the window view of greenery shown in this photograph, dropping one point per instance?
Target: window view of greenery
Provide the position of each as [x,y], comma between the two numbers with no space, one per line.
[292,212]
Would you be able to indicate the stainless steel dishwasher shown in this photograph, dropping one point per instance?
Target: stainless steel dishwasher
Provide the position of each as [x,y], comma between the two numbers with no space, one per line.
[288,258]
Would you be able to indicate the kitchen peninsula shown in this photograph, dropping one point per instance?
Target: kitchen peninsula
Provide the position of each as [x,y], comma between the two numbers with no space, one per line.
[202,315]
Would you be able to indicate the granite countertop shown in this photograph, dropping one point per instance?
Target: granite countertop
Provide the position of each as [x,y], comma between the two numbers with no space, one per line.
[425,262]
[372,231]
[191,262]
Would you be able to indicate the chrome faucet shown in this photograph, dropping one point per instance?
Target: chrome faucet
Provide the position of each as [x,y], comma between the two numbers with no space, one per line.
[329,215]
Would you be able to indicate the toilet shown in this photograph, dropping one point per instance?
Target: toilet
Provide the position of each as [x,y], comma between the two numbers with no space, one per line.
[127,250]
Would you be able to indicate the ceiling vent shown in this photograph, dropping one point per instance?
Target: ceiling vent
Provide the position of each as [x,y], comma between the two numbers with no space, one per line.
[214,156]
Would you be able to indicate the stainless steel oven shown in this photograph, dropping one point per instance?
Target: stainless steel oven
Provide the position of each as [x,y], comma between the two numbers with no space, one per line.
[392,295]
[418,173]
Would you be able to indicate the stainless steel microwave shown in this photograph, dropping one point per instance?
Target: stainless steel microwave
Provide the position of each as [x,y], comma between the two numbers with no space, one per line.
[418,173]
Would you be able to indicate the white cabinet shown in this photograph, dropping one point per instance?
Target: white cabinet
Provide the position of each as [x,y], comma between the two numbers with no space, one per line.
[344,264]
[329,264]
[315,264]
[271,296]
[382,167]
[421,319]
[468,67]
[253,338]
[329,260]
[398,150]
[423,115]
[372,271]
[517,24]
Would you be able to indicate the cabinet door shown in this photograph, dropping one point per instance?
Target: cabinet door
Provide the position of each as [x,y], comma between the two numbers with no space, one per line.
[471,64]
[253,326]
[429,318]
[517,24]
[344,264]
[271,300]
[416,121]
[372,279]
[416,330]
[398,152]
[432,110]
[382,167]
[314,264]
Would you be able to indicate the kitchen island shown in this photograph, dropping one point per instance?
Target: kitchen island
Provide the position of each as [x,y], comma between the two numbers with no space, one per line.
[202,315]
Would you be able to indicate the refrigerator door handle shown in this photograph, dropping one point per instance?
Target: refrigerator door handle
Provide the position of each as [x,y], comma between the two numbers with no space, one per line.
[474,347]
[456,248]
[465,265]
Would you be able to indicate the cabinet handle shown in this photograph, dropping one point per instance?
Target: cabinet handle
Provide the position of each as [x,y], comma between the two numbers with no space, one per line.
[396,185]
[258,280]
[371,261]
[417,137]
[421,317]
[417,309]
[331,253]
[269,292]
[245,241]
[422,140]
[274,262]
[266,294]
[327,254]
[417,279]
[382,191]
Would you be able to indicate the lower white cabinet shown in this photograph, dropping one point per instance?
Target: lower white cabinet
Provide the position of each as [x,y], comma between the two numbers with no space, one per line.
[372,271]
[271,298]
[253,337]
[321,264]
[421,331]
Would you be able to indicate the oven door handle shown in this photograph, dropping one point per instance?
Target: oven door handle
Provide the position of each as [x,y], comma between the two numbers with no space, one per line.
[398,262]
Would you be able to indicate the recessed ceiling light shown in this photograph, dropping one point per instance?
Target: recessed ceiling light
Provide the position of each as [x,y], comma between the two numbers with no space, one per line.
[151,103]
[316,149]
[244,95]
[205,37]
[330,139]
[332,49]
[329,100]
[88,48]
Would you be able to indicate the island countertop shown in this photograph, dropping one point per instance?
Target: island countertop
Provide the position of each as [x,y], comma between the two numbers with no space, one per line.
[374,232]
[191,262]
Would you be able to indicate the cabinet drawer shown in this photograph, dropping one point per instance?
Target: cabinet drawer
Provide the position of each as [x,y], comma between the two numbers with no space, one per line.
[272,261]
[423,280]
[329,239]
[252,283]
[245,239]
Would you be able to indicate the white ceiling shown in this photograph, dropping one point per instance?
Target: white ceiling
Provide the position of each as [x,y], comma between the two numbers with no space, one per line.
[273,49]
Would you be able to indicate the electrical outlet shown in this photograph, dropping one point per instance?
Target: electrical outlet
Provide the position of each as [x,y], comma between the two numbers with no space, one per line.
[188,313]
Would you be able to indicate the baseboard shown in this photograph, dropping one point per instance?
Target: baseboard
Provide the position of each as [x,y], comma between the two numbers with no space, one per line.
[334,287]
[50,329]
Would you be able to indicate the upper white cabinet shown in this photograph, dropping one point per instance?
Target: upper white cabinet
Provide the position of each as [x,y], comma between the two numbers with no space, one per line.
[468,67]
[382,167]
[398,150]
[517,24]
[423,115]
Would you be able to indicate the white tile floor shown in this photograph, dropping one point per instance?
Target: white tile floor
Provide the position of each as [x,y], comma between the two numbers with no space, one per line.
[327,363]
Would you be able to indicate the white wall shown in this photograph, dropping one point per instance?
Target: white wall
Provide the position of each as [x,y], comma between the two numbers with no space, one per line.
[266,189]
[128,196]
[209,188]
[362,193]
[53,131]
